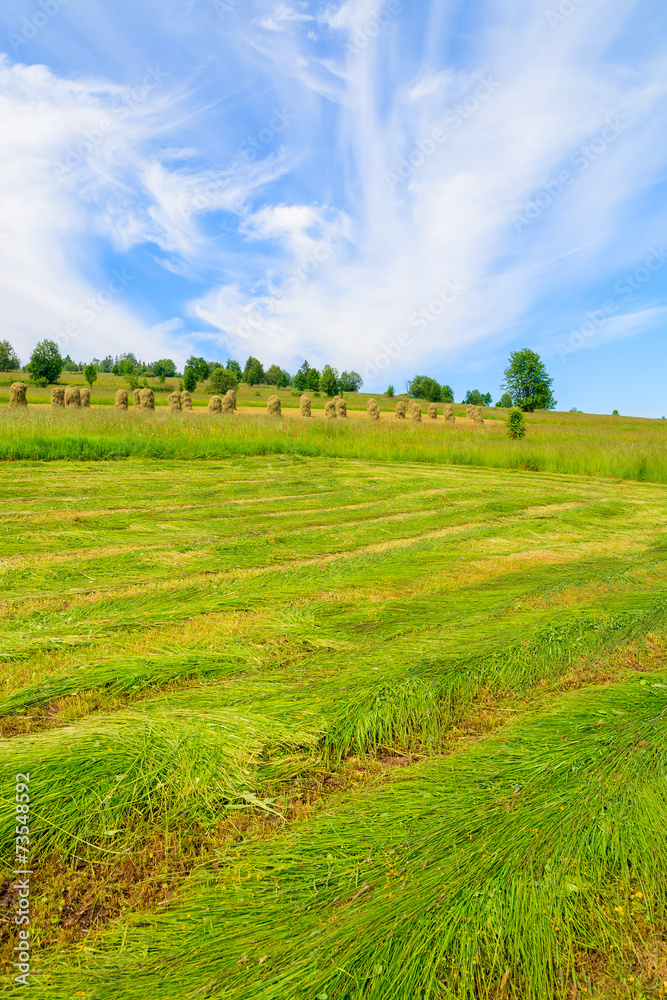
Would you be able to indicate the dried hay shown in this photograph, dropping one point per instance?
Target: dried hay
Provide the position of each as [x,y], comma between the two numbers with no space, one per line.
[147,399]
[186,400]
[136,397]
[330,409]
[400,409]
[175,401]
[229,401]
[72,396]
[84,393]
[304,405]
[478,415]
[215,404]
[373,410]
[448,413]
[433,411]
[17,394]
[121,399]
[341,408]
[273,405]
[470,412]
[58,395]
[231,394]
[415,411]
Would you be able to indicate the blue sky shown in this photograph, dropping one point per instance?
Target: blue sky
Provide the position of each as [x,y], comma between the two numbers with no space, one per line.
[395,187]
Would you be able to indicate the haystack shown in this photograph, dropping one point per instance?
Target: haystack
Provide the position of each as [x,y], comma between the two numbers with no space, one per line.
[273,405]
[341,408]
[478,415]
[215,404]
[58,395]
[17,394]
[231,393]
[186,400]
[415,411]
[400,409]
[84,394]
[136,397]
[229,401]
[147,399]
[121,399]
[470,412]
[175,401]
[433,411]
[304,405]
[72,396]
[330,409]
[373,410]
[448,414]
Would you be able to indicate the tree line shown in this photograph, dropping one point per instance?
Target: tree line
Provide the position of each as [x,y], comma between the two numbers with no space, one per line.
[527,384]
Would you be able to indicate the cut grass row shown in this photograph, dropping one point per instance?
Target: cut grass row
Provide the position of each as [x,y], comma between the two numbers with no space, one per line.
[219,635]
[527,864]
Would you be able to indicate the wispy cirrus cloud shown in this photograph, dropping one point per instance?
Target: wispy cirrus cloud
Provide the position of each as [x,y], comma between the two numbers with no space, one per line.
[294,233]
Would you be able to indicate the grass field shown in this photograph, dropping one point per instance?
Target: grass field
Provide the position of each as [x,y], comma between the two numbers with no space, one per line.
[320,716]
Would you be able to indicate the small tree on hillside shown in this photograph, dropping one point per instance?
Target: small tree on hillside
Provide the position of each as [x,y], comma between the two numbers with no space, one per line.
[516,425]
[423,387]
[350,382]
[390,391]
[329,380]
[46,363]
[9,359]
[476,398]
[527,381]
[505,401]
[222,380]
[189,379]
[90,374]
[253,373]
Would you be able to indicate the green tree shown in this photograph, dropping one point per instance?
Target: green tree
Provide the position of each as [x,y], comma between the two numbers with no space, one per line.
[164,368]
[390,391]
[527,381]
[273,374]
[505,401]
[424,387]
[350,382]
[301,377]
[199,366]
[313,380]
[516,425]
[106,364]
[9,359]
[189,379]
[329,380]
[235,367]
[446,394]
[476,398]
[90,374]
[253,373]
[222,380]
[46,363]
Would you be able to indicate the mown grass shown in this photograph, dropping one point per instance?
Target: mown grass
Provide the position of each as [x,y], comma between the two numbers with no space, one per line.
[184,644]
[620,448]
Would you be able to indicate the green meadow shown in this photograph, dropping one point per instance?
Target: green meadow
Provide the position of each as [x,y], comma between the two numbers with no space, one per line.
[336,711]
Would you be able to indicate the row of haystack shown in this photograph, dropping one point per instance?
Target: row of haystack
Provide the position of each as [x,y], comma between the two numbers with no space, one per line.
[61,395]
[223,404]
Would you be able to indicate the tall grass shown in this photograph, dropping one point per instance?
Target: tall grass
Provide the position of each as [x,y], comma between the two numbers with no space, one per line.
[625,449]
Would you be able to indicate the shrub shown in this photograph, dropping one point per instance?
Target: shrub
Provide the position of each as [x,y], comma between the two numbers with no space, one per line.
[189,380]
[516,425]
[390,391]
[222,380]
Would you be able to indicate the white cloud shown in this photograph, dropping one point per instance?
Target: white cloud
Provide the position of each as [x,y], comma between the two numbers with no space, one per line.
[283,15]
